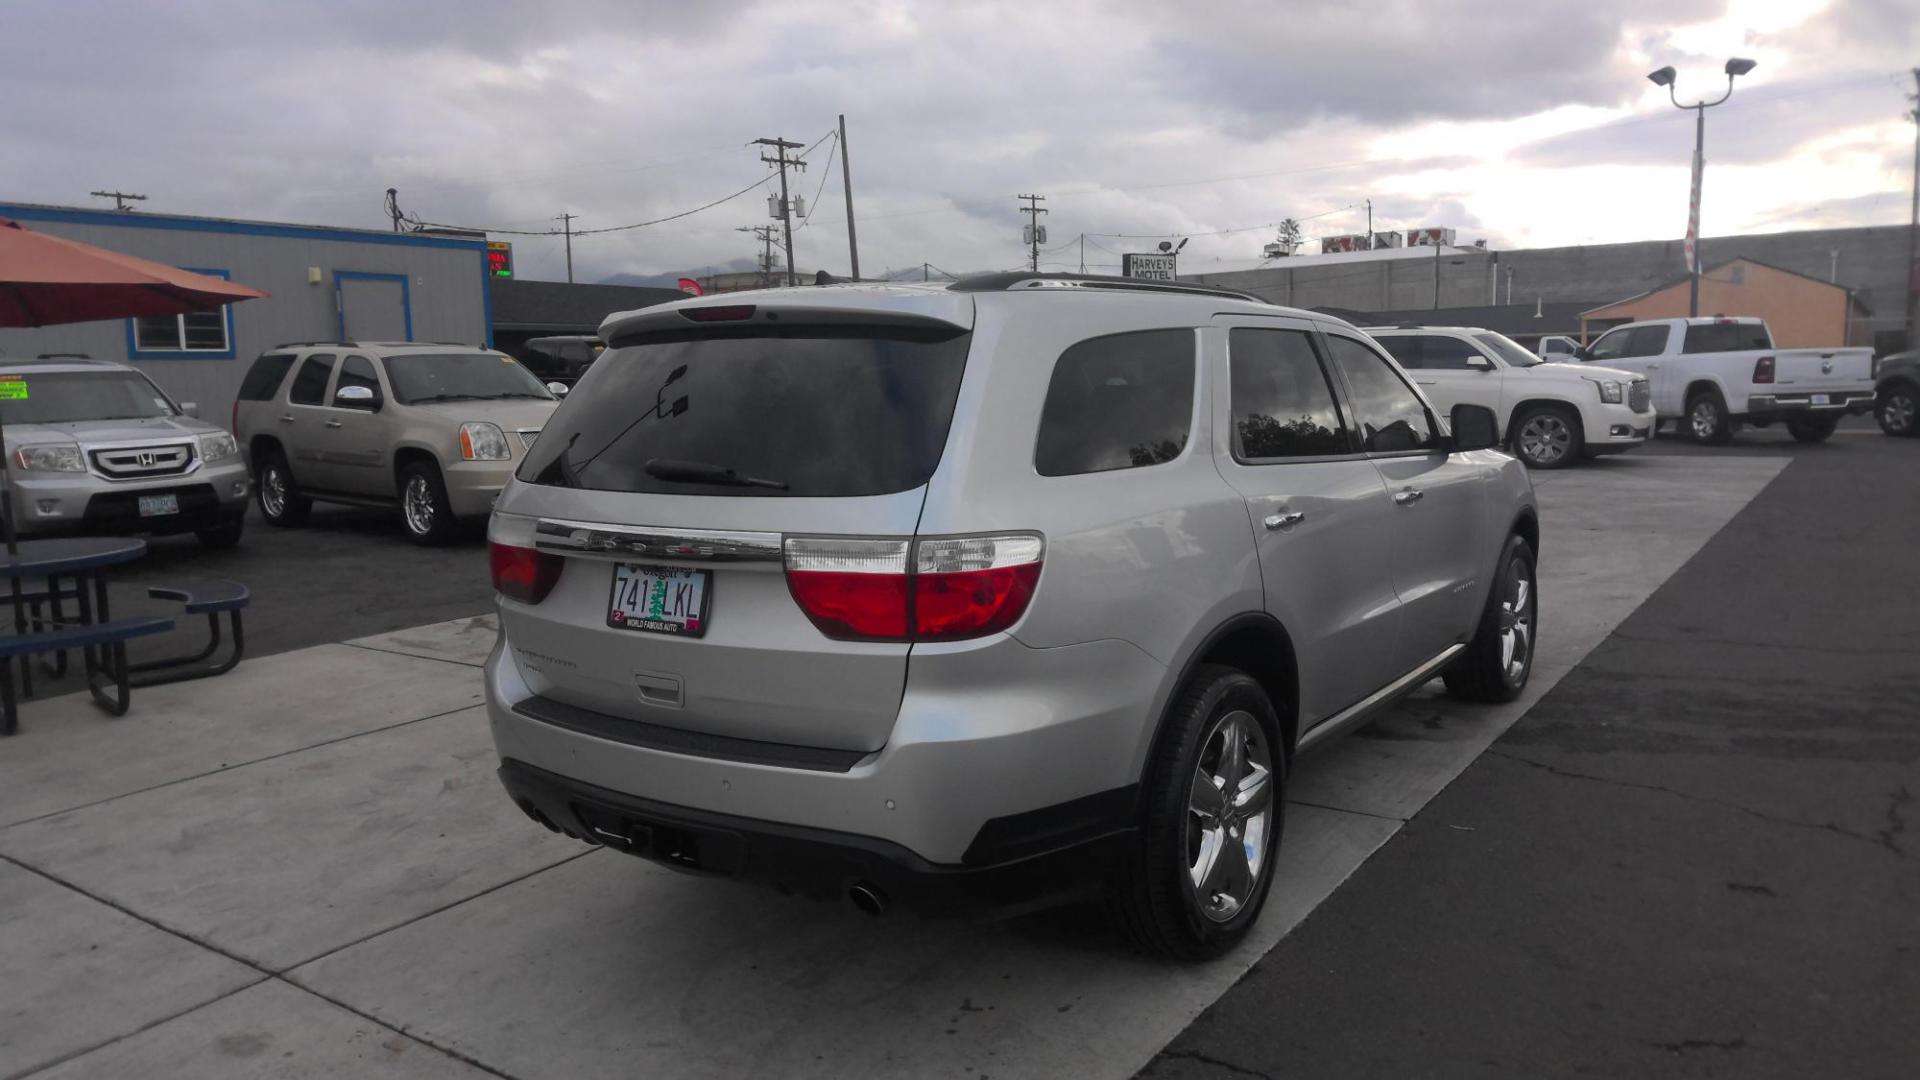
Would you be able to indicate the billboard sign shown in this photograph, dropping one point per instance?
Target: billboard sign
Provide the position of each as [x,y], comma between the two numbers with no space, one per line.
[1429,237]
[1153,266]
[499,259]
[1335,244]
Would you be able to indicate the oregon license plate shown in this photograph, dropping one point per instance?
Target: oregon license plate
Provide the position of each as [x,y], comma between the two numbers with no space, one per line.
[1820,399]
[158,505]
[659,599]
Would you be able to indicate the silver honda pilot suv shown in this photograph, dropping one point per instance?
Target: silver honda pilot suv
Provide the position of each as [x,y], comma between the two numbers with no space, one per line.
[93,446]
[1021,589]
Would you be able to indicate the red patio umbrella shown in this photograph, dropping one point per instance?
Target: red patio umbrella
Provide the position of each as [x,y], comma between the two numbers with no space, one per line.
[46,280]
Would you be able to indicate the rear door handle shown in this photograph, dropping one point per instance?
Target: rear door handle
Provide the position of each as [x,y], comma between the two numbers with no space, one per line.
[1408,496]
[1285,520]
[286,418]
[333,423]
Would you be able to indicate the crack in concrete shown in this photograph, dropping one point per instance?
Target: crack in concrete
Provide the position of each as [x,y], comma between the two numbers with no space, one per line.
[1695,639]
[1685,1045]
[1195,1055]
[1896,821]
[1884,839]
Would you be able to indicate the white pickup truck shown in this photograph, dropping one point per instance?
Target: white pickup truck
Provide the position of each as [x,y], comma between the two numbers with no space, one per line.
[1712,374]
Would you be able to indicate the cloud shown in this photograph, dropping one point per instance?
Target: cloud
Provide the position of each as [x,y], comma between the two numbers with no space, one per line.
[1131,117]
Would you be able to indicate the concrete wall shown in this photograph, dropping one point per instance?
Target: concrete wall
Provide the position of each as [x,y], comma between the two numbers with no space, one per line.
[445,289]
[1871,262]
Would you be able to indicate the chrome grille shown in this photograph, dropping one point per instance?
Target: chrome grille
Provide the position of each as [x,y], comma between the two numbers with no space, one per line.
[1639,395]
[140,462]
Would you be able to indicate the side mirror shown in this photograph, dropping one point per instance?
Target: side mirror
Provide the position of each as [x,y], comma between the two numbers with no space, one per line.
[1474,427]
[354,397]
[558,389]
[1479,363]
[190,408]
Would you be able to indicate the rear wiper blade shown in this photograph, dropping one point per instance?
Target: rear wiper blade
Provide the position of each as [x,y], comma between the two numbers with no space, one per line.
[701,472]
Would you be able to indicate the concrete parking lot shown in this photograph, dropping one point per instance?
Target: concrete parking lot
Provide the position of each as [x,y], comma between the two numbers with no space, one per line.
[1687,856]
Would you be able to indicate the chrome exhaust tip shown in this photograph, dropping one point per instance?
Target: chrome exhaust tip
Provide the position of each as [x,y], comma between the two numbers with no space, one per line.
[868,898]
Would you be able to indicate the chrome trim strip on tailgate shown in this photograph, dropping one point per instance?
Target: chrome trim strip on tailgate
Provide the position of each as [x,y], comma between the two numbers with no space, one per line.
[695,544]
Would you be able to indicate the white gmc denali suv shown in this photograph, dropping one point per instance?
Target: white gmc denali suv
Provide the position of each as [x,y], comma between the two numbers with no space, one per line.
[1711,374]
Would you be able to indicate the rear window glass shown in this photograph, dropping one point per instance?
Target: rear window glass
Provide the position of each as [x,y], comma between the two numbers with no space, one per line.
[1118,402]
[263,378]
[1726,337]
[423,378]
[806,411]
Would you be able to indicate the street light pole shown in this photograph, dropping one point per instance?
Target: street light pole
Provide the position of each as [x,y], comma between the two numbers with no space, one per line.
[1665,77]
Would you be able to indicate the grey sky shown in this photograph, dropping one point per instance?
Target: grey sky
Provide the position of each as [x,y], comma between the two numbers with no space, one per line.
[1518,123]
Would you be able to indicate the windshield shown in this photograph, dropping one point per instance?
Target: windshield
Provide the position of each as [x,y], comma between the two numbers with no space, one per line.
[426,377]
[1507,349]
[64,397]
[810,411]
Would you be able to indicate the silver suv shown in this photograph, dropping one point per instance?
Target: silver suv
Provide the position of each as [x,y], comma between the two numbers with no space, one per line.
[95,447]
[434,429]
[1012,590]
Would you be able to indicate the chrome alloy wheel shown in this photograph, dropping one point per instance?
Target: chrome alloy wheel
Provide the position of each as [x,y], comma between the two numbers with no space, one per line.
[417,503]
[273,491]
[1704,418]
[1516,622]
[1545,439]
[1897,412]
[1230,815]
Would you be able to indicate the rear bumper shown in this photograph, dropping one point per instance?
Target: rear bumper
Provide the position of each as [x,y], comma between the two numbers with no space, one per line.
[821,863]
[1766,406]
[987,733]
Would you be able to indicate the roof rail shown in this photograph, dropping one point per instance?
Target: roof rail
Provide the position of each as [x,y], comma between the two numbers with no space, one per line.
[303,344]
[1011,280]
[65,356]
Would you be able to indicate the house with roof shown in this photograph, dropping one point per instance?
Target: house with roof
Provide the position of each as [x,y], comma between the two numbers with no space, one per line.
[1802,310]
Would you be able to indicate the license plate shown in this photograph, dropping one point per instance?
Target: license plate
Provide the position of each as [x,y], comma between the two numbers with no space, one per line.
[659,599]
[158,505]
[1820,399]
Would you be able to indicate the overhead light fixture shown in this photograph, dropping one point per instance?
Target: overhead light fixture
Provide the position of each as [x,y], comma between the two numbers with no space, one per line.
[1737,66]
[1663,77]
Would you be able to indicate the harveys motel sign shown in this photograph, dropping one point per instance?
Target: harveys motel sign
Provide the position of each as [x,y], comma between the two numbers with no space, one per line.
[1154,266]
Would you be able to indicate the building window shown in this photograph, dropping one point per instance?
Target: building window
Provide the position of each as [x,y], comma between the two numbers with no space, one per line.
[200,333]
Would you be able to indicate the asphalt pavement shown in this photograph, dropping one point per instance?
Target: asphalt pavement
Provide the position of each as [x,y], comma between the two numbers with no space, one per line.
[1698,855]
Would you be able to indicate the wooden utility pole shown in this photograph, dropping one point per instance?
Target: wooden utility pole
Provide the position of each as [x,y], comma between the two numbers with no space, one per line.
[120,198]
[1913,227]
[1033,212]
[782,161]
[764,234]
[566,225]
[846,182]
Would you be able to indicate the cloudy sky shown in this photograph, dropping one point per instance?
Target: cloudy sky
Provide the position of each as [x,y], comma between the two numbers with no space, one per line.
[1522,123]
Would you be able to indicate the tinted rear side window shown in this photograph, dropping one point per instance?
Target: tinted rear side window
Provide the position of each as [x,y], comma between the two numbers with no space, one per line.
[264,377]
[310,386]
[1404,350]
[1117,402]
[826,411]
[1282,403]
[1726,337]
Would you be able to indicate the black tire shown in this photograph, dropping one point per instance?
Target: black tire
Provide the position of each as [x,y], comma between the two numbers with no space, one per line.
[1811,429]
[281,503]
[1897,407]
[1547,436]
[224,535]
[1485,671]
[1155,901]
[1707,422]
[425,513]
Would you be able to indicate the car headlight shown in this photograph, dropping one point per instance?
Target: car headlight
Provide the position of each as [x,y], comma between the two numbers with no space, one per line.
[55,458]
[1610,390]
[481,441]
[217,447]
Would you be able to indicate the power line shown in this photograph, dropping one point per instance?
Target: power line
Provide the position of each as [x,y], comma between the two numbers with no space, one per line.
[825,171]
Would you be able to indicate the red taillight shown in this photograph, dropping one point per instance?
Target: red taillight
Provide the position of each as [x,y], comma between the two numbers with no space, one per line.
[1763,370]
[523,574]
[936,589]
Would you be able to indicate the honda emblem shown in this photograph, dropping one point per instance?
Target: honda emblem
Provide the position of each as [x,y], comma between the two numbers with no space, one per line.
[144,459]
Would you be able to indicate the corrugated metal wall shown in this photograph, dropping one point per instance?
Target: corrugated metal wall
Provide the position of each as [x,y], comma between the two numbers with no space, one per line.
[445,288]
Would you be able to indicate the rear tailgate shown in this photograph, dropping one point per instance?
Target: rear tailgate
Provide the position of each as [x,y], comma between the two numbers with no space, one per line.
[1804,370]
[851,418]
